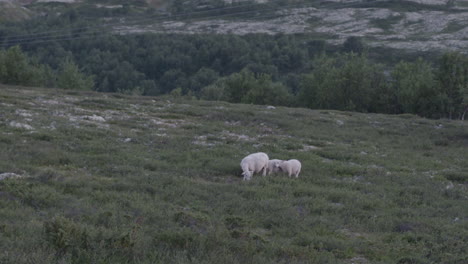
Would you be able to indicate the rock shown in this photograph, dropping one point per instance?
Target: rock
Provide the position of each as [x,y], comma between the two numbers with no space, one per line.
[95,118]
[449,186]
[21,125]
[9,175]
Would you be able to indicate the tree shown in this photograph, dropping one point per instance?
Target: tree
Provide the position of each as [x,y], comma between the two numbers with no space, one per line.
[15,68]
[202,78]
[318,88]
[316,46]
[214,92]
[353,44]
[3,69]
[172,79]
[345,82]
[263,91]
[415,89]
[238,84]
[464,104]
[42,75]
[452,77]
[359,81]
[247,87]
[149,87]
[71,77]
[126,79]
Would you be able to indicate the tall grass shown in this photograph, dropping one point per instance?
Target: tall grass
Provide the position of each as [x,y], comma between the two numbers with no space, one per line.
[158,181]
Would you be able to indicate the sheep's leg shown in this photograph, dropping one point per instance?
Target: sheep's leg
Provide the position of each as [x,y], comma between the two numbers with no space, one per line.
[297,174]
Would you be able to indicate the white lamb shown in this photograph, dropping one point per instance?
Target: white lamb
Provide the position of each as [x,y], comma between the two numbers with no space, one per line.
[254,163]
[291,167]
[273,166]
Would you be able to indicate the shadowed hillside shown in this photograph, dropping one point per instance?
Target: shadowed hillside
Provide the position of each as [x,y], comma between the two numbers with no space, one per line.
[106,178]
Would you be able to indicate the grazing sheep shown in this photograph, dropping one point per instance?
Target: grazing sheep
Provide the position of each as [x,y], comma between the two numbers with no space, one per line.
[254,163]
[292,167]
[273,166]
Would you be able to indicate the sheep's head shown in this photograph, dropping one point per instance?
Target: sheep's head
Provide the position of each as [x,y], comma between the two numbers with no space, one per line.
[247,175]
[276,164]
[273,163]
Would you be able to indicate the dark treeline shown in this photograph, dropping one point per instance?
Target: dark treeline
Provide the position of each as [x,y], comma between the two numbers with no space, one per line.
[158,64]
[290,70]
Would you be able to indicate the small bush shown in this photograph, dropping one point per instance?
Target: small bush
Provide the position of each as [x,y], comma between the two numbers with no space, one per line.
[64,236]
[182,239]
[459,177]
[42,137]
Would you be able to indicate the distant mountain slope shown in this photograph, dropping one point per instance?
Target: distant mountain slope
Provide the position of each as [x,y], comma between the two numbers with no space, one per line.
[423,30]
[13,11]
[411,25]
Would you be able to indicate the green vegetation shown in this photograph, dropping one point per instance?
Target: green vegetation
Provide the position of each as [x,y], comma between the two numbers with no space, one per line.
[114,178]
[18,68]
[70,77]
[288,70]
[75,46]
[123,176]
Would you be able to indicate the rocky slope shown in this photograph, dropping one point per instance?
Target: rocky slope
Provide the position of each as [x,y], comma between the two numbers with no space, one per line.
[422,31]
[412,25]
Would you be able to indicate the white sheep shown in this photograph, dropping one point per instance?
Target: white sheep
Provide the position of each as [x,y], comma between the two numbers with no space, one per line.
[254,163]
[291,167]
[273,166]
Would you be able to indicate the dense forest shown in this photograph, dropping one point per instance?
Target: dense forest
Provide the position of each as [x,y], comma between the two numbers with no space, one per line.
[290,70]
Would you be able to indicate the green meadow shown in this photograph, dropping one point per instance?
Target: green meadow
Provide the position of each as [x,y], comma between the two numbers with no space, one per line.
[108,178]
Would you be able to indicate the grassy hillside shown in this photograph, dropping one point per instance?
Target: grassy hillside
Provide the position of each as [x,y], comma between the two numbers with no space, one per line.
[108,178]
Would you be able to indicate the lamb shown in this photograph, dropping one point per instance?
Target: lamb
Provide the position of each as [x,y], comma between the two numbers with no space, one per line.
[292,167]
[254,163]
[273,166]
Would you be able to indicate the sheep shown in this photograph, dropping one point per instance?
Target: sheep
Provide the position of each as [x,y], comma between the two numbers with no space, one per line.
[273,166]
[292,167]
[254,163]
